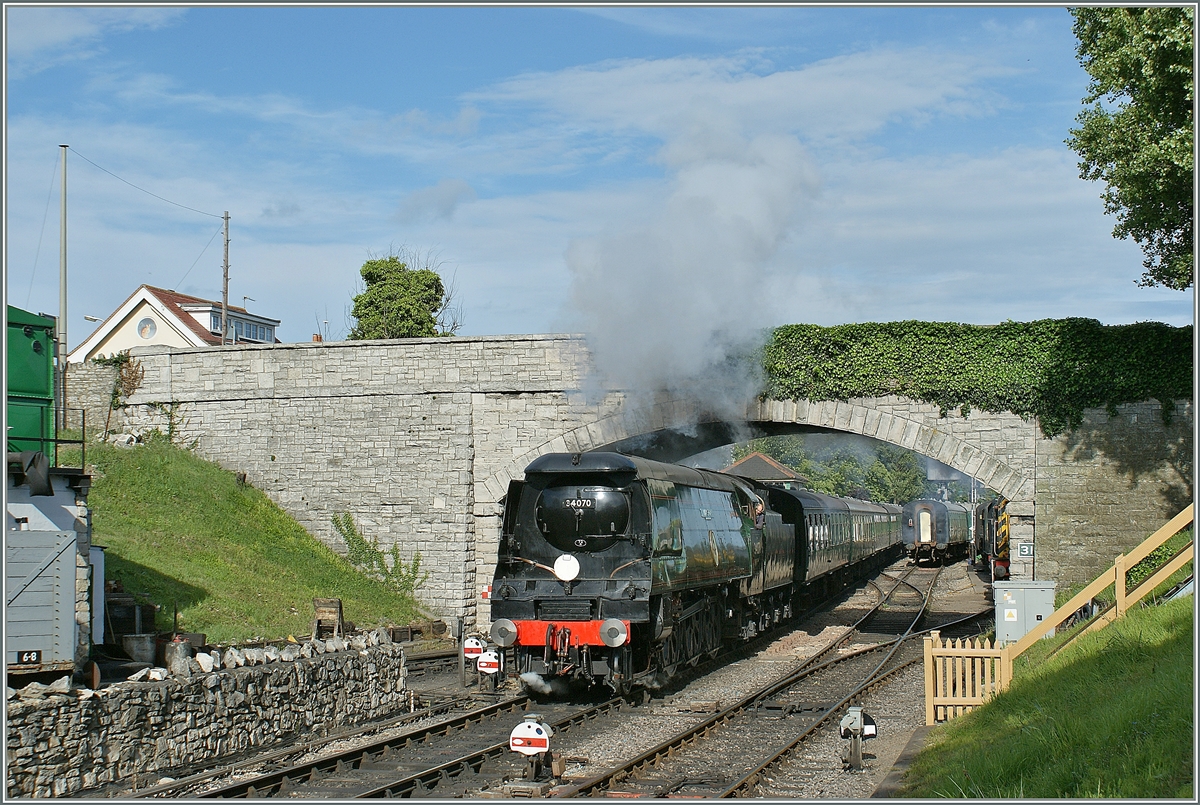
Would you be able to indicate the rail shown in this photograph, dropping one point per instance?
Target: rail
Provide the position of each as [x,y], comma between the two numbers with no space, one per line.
[959,678]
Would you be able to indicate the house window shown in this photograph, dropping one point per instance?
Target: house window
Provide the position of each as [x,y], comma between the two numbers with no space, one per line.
[216,323]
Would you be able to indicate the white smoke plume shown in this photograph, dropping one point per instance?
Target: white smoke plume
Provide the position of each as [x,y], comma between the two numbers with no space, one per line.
[535,682]
[677,303]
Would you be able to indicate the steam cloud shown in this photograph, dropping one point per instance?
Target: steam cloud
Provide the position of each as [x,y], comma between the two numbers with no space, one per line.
[535,682]
[678,303]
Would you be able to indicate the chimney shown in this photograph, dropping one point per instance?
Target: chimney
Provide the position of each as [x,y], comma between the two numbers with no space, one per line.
[317,337]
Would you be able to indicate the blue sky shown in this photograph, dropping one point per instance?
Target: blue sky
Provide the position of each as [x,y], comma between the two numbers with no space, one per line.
[650,176]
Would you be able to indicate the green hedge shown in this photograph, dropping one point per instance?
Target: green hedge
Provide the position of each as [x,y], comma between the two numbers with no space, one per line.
[1051,369]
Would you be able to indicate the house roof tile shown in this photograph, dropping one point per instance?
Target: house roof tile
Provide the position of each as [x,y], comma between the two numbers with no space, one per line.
[178,300]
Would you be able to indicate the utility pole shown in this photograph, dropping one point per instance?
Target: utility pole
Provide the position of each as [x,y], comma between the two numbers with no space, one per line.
[225,288]
[62,294]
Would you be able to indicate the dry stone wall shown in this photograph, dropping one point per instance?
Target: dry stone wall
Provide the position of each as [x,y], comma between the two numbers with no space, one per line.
[90,386]
[62,744]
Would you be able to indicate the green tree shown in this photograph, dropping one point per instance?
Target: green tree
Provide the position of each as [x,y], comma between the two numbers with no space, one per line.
[840,472]
[1137,133]
[896,475]
[400,301]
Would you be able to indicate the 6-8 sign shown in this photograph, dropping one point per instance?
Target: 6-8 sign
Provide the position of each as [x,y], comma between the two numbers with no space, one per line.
[29,657]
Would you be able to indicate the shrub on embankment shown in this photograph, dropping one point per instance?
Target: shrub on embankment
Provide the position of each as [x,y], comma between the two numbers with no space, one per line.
[184,531]
[1110,716]
[1052,369]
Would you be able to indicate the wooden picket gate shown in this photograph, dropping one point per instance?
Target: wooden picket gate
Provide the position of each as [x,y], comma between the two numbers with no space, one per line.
[961,675]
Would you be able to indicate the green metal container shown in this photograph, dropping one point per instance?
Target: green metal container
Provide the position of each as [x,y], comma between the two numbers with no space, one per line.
[30,368]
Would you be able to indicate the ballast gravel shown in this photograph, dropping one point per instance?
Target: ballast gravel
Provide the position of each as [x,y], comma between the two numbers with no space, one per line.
[816,769]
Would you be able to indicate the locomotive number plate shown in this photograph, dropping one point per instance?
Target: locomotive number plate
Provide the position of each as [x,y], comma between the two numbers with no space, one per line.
[579,503]
[29,657]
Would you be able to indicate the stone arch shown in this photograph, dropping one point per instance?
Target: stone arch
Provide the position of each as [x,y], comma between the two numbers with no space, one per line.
[918,431]
[923,433]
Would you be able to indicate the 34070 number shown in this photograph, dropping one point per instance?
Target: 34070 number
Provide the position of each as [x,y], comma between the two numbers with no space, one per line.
[579,503]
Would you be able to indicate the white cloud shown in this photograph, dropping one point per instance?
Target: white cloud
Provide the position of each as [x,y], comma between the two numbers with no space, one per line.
[846,96]
[40,37]
[438,201]
[687,200]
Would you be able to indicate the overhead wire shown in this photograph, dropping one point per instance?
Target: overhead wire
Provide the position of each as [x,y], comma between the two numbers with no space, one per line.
[147,192]
[45,215]
[202,251]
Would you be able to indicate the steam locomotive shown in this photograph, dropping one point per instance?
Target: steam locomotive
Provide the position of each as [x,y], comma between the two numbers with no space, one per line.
[935,530]
[617,570]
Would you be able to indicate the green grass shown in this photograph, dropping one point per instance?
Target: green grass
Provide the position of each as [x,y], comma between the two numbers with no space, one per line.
[1110,716]
[184,532]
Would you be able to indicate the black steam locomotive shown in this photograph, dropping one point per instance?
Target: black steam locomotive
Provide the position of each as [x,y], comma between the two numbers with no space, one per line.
[616,570]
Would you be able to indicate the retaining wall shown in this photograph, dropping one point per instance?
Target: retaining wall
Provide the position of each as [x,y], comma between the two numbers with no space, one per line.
[1104,487]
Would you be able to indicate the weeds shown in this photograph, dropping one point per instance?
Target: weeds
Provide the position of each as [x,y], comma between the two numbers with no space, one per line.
[403,578]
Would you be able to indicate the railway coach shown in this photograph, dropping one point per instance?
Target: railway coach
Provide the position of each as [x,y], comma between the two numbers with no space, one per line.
[935,530]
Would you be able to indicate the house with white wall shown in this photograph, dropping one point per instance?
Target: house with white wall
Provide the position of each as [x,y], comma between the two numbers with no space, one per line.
[156,316]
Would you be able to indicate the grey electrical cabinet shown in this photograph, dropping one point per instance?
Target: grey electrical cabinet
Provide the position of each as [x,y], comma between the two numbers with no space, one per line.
[1021,605]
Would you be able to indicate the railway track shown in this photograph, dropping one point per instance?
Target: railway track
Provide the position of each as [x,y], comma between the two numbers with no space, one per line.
[457,756]
[730,752]
[449,759]
[465,754]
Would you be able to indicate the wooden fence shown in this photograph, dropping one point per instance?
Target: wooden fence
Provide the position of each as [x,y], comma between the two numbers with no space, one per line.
[961,675]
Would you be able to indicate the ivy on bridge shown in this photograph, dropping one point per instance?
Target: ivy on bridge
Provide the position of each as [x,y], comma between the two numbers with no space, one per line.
[1052,368]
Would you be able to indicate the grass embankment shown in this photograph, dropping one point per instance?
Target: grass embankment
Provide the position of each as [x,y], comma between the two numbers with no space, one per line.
[184,531]
[1109,716]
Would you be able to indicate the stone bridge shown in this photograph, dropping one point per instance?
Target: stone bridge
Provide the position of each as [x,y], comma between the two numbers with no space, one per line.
[418,439]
